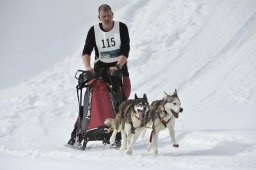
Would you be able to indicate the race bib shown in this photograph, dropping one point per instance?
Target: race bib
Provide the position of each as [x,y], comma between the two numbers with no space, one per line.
[108,43]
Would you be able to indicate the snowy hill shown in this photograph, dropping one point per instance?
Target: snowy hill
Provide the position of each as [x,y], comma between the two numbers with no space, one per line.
[205,49]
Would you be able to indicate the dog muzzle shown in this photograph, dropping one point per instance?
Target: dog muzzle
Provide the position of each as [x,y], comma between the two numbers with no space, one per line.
[175,114]
[141,114]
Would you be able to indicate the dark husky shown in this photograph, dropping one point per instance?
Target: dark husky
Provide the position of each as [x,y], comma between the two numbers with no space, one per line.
[130,121]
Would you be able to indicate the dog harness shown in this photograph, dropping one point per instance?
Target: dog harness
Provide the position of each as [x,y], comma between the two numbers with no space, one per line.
[132,127]
[162,118]
[164,122]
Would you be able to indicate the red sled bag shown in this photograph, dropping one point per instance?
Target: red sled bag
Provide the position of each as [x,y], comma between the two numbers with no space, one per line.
[102,95]
[102,104]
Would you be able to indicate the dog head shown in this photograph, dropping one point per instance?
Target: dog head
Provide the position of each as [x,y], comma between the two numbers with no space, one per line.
[141,106]
[173,104]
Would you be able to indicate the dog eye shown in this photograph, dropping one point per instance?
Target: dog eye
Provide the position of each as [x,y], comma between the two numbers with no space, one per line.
[174,103]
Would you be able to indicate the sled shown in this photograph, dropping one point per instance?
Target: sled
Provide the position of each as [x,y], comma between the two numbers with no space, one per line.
[99,94]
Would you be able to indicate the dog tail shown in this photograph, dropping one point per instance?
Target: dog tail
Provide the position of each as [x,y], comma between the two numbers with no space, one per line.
[109,122]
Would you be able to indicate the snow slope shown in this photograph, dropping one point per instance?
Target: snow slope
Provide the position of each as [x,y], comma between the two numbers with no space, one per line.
[204,48]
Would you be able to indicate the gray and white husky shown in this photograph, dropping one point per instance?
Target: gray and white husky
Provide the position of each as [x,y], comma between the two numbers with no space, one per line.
[130,121]
[163,113]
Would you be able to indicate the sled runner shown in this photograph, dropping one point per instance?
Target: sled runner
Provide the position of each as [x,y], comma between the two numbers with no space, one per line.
[103,92]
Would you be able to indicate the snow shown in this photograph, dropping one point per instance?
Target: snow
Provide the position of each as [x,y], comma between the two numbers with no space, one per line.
[203,48]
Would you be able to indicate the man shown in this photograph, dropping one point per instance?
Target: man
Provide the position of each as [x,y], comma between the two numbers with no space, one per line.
[111,42]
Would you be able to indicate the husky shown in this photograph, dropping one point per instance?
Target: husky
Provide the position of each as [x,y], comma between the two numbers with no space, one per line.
[163,113]
[130,121]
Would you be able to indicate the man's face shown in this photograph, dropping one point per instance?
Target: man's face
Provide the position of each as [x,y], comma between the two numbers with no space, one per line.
[106,17]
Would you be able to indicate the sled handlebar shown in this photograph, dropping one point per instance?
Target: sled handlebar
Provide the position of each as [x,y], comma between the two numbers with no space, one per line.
[104,74]
[84,73]
[97,73]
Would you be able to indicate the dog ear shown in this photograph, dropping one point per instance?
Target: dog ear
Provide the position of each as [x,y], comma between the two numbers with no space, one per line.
[135,96]
[165,93]
[175,93]
[145,97]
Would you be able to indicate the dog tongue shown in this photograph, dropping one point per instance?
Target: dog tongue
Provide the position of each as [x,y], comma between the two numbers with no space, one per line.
[141,114]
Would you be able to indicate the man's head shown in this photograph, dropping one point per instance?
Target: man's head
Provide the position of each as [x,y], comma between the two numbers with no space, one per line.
[105,15]
[104,7]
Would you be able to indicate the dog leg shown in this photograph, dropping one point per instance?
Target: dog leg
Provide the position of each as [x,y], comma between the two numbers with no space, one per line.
[172,135]
[143,133]
[123,141]
[132,139]
[129,140]
[150,141]
[152,147]
[112,139]
[125,136]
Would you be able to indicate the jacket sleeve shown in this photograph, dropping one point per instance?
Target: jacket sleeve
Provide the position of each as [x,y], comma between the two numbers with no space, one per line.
[125,40]
[89,42]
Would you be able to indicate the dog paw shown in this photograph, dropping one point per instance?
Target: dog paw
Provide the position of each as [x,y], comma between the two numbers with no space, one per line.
[150,147]
[175,145]
[153,151]
[122,149]
[111,141]
[129,152]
